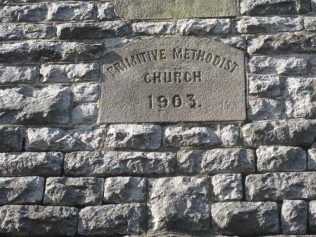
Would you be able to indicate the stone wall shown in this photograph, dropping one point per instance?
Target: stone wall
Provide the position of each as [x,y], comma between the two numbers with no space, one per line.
[64,174]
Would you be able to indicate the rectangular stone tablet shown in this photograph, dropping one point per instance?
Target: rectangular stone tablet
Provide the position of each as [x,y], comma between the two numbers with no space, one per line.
[166,9]
[173,79]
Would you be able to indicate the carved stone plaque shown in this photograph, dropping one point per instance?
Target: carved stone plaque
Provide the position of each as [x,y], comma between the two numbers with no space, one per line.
[174,79]
[164,9]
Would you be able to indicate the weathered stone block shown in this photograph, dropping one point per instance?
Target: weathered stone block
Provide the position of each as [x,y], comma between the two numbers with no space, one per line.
[246,218]
[56,139]
[26,13]
[22,190]
[39,31]
[134,136]
[11,32]
[38,220]
[204,26]
[228,160]
[15,74]
[70,73]
[124,189]
[279,186]
[310,23]
[252,25]
[26,105]
[312,216]
[296,132]
[85,114]
[31,163]
[85,92]
[229,135]
[294,217]
[92,31]
[274,7]
[312,159]
[176,136]
[179,204]
[64,191]
[153,28]
[102,164]
[120,220]
[278,65]
[281,158]
[263,108]
[10,138]
[227,187]
[105,11]
[264,86]
[68,11]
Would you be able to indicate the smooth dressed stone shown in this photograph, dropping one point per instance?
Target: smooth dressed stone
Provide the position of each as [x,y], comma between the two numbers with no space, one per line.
[204,26]
[133,136]
[38,220]
[31,163]
[120,220]
[64,191]
[179,204]
[10,139]
[52,105]
[153,28]
[215,161]
[124,190]
[294,217]
[279,186]
[65,11]
[56,139]
[70,72]
[20,13]
[264,85]
[176,136]
[246,218]
[281,158]
[85,92]
[102,164]
[18,74]
[21,190]
[227,187]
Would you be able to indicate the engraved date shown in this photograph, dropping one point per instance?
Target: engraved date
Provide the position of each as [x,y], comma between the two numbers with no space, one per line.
[175,101]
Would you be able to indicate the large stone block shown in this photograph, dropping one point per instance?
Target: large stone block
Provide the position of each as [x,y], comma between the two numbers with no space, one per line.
[204,26]
[85,92]
[38,221]
[274,7]
[179,204]
[294,217]
[153,28]
[65,11]
[64,191]
[113,220]
[228,160]
[279,186]
[85,114]
[20,13]
[102,164]
[264,108]
[25,105]
[39,31]
[230,135]
[10,138]
[124,189]
[11,32]
[246,218]
[22,190]
[312,159]
[281,158]
[227,187]
[31,163]
[56,139]
[312,216]
[105,11]
[176,136]
[18,74]
[133,136]
[70,72]
[264,86]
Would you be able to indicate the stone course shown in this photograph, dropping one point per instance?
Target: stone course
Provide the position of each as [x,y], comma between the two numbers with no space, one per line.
[63,172]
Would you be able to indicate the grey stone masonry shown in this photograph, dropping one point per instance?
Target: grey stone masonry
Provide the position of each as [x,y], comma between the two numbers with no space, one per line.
[14,75]
[312,159]
[227,187]
[10,138]
[294,217]
[312,216]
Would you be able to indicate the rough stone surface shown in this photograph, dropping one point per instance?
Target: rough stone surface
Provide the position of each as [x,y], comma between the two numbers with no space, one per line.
[39,31]
[228,160]
[105,11]
[56,139]
[62,11]
[27,13]
[179,204]
[264,86]
[14,75]
[312,159]
[38,220]
[227,187]
[31,163]
[272,7]
[124,190]
[134,136]
[294,217]
[85,114]
[204,27]
[310,23]
[263,109]
[70,72]
[246,218]
[312,216]
[10,32]
[10,139]
[154,28]
[64,191]
[85,92]
[230,135]
[279,186]
[120,220]
[176,136]
[281,158]
[22,190]
[102,164]
[26,105]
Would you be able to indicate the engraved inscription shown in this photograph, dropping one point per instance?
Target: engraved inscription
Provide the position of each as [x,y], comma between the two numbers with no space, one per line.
[173,79]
